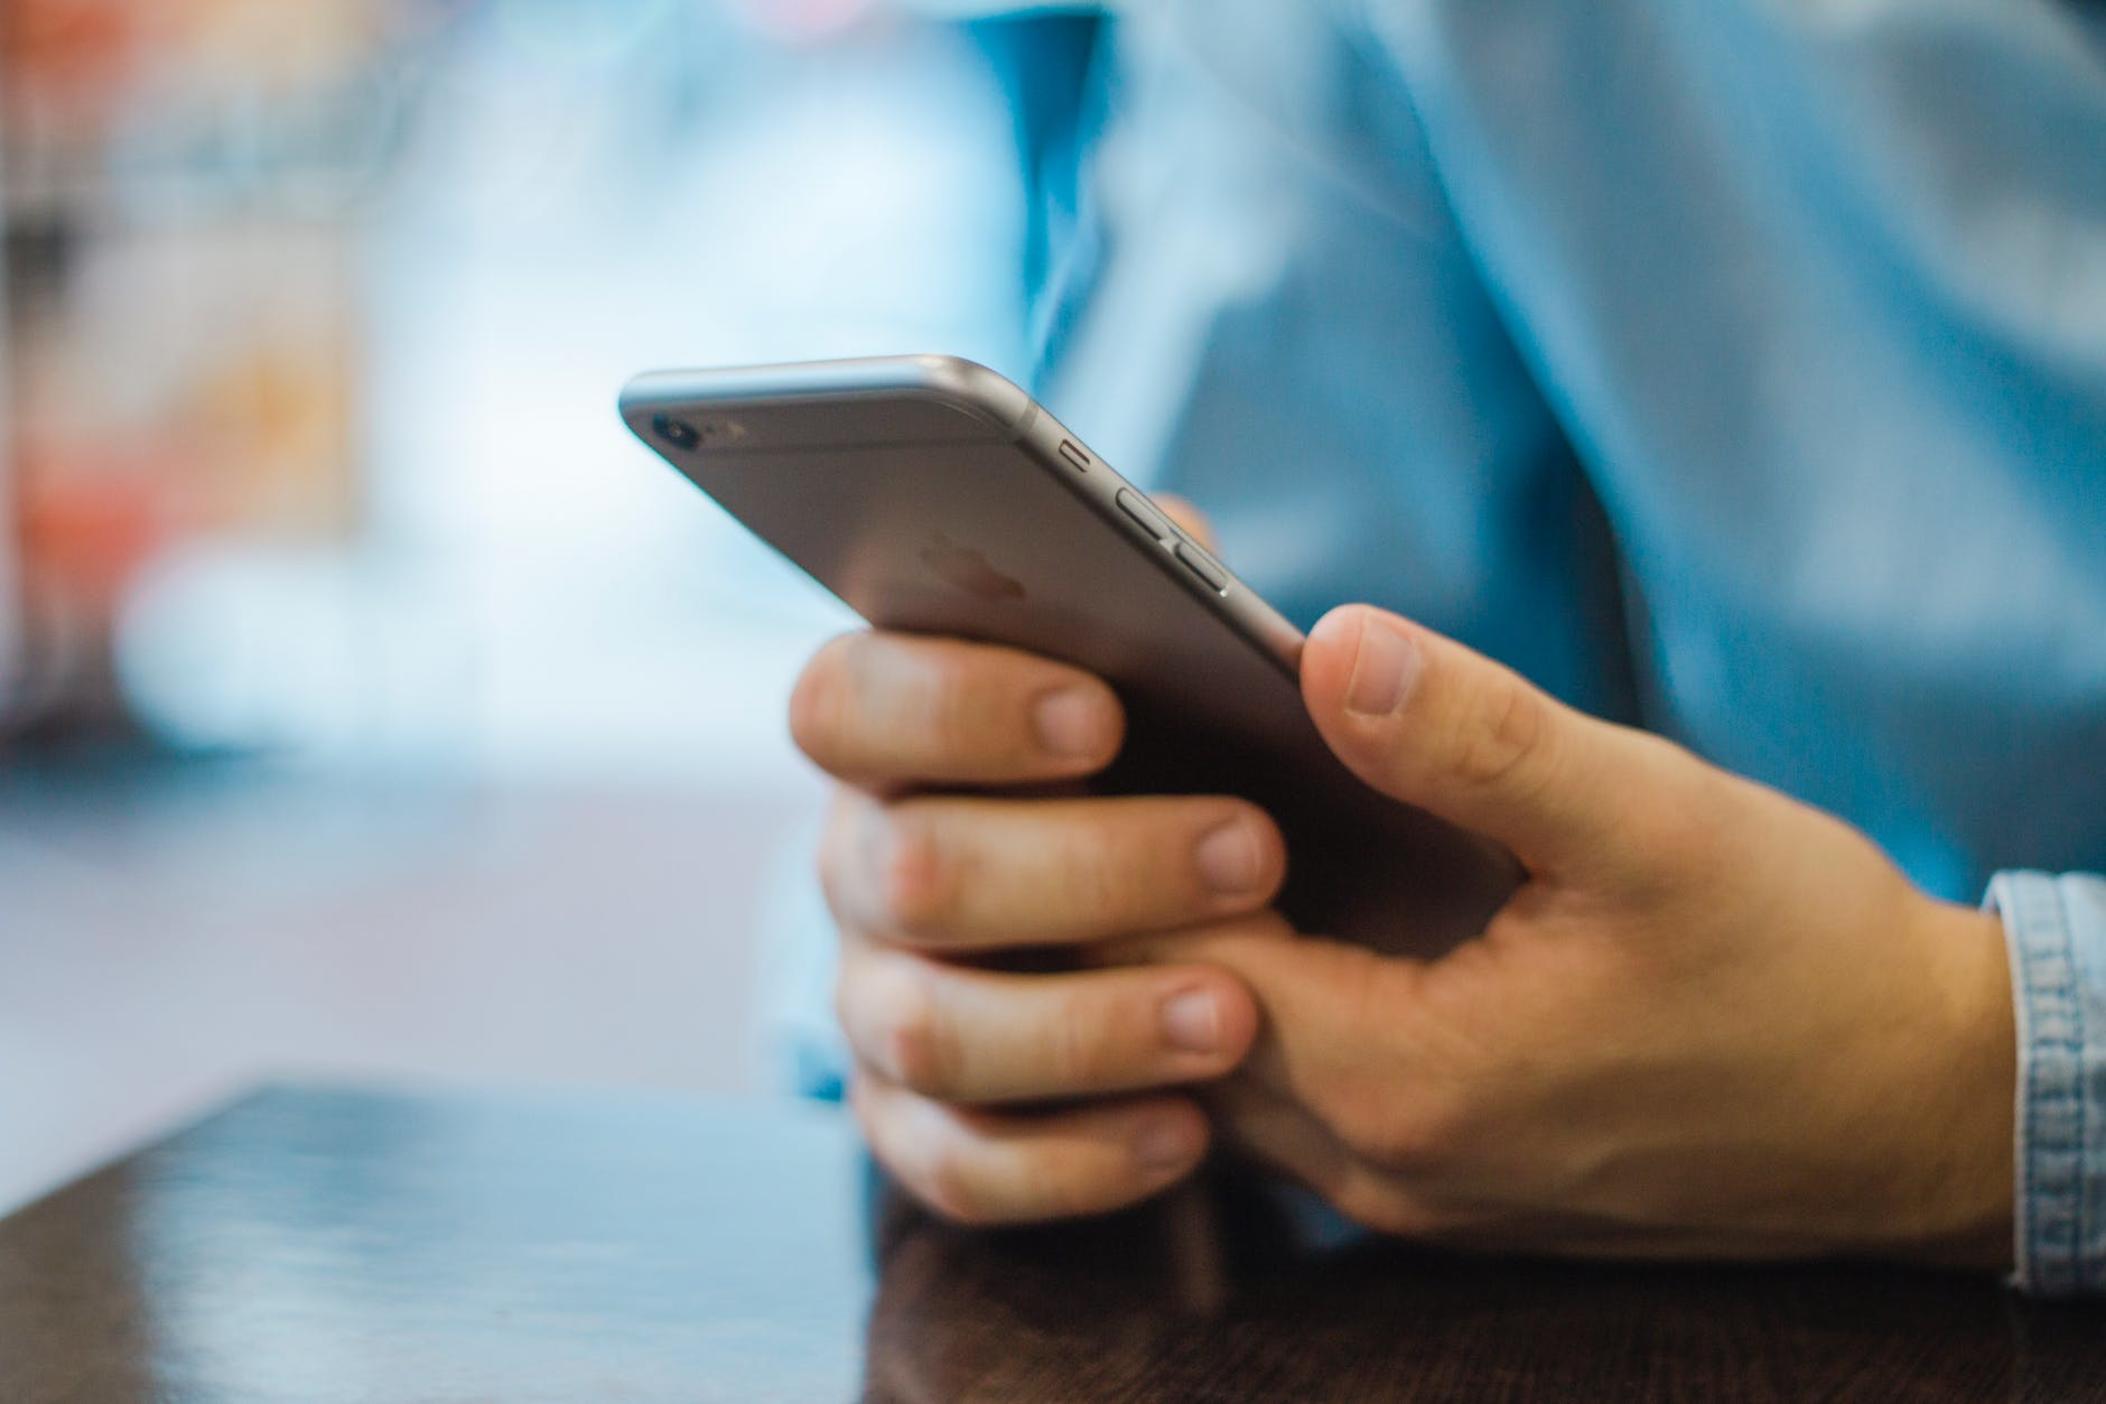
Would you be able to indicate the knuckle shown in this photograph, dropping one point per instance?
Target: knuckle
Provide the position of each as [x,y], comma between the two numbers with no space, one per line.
[957,704]
[877,1123]
[859,1106]
[953,1191]
[1356,1116]
[1092,879]
[1686,832]
[912,1038]
[917,892]
[835,858]
[1079,1046]
[1404,1134]
[820,701]
[1506,735]
[1425,1139]
[862,1107]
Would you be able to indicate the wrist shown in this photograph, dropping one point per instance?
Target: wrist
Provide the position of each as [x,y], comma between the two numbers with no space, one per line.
[1970,1142]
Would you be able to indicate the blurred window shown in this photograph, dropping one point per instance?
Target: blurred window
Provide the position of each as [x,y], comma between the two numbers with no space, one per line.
[317,314]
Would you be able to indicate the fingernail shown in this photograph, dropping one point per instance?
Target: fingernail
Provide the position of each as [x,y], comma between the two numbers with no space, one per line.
[1230,860]
[1165,1145]
[1072,723]
[1384,669]
[1192,1021]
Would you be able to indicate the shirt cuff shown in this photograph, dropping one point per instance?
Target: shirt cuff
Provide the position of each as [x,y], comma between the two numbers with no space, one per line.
[2057,932]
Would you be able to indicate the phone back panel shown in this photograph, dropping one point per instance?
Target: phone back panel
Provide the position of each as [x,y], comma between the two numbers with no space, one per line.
[934,497]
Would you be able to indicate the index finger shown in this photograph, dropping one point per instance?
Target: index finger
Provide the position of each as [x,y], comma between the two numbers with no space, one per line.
[885,710]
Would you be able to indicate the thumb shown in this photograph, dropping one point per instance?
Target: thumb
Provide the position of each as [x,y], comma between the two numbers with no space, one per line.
[1427,721]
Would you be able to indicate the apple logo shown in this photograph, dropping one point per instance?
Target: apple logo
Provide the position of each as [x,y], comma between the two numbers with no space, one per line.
[965,569]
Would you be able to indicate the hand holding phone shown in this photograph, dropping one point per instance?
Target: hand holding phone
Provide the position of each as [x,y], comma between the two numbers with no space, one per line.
[937,499]
[1073,726]
[1716,1022]
[954,846]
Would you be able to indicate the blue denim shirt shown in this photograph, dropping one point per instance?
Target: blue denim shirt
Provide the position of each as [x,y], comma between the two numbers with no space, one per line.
[2058,954]
[1733,368]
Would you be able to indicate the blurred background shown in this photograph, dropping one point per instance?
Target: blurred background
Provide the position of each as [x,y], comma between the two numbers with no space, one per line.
[371,705]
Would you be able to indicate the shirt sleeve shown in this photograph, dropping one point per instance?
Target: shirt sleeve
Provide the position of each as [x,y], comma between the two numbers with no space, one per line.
[2057,931]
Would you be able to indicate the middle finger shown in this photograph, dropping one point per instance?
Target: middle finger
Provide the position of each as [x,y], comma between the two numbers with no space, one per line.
[960,874]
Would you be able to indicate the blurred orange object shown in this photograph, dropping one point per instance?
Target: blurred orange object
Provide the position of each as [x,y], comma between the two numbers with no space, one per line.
[72,56]
[84,533]
[182,347]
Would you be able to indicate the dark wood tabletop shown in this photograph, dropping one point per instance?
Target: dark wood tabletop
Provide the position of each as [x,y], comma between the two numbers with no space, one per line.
[329,1245]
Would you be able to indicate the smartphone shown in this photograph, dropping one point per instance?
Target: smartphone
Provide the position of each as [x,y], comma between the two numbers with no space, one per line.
[933,496]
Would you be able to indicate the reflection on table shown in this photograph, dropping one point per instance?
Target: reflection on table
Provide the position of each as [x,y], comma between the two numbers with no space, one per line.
[332,1245]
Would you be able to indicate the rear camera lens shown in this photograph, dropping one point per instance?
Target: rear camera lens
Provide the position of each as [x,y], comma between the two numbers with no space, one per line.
[677,432]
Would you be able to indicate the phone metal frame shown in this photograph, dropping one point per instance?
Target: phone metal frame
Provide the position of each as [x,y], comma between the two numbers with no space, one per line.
[996,402]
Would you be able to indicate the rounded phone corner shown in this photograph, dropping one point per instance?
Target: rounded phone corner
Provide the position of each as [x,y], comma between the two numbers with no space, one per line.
[984,393]
[653,390]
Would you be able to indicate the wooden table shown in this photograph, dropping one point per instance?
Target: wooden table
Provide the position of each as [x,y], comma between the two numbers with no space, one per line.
[336,1245]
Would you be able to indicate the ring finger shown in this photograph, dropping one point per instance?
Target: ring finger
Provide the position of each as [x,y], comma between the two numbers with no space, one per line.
[979,1036]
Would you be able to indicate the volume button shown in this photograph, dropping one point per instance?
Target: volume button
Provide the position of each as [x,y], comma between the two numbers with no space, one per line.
[1204,566]
[1151,520]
